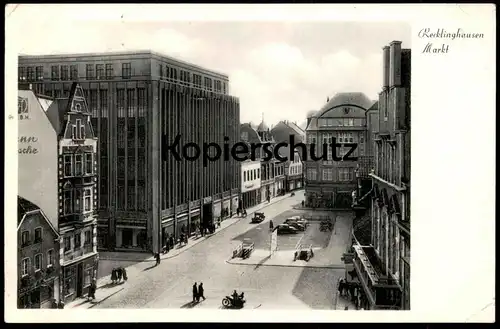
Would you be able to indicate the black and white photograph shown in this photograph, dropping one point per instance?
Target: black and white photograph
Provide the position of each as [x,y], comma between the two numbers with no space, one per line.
[216,165]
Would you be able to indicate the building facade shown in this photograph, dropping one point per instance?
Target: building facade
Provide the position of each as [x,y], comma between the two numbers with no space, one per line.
[330,183]
[250,183]
[57,168]
[38,258]
[139,103]
[282,133]
[384,265]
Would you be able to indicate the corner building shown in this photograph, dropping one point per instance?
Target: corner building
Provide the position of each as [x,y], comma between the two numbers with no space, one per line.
[384,265]
[330,183]
[139,101]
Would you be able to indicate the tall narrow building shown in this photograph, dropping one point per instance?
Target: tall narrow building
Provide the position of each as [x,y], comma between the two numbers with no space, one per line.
[139,103]
[383,265]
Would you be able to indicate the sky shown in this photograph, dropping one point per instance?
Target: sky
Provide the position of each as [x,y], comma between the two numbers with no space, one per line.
[279,70]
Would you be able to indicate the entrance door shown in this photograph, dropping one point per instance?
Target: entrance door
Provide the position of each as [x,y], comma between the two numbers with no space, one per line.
[127,237]
[79,280]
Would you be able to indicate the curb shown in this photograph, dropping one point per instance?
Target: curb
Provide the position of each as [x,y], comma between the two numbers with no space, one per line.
[189,246]
[333,267]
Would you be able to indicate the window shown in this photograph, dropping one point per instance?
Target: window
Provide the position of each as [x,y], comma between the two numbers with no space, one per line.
[73,72]
[89,71]
[67,244]
[99,70]
[88,237]
[141,101]
[87,199]
[87,275]
[68,202]
[68,165]
[109,71]
[346,174]
[126,71]
[160,68]
[78,164]
[39,73]
[64,73]
[77,201]
[312,174]
[78,240]
[244,176]
[50,258]
[224,88]
[38,234]
[258,173]
[78,130]
[89,165]
[25,266]
[25,238]
[31,74]
[55,72]
[21,72]
[38,262]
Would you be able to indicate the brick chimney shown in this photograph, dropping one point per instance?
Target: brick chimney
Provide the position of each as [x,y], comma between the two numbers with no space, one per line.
[395,64]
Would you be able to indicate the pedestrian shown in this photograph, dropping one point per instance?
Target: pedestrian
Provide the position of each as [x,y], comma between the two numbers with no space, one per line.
[271,225]
[195,292]
[346,308]
[201,292]
[302,203]
[119,274]
[186,239]
[157,258]
[218,222]
[113,276]
[92,289]
[171,242]
[124,273]
[341,286]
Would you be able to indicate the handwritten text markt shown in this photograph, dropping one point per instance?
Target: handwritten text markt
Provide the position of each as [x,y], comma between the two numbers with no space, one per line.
[443,34]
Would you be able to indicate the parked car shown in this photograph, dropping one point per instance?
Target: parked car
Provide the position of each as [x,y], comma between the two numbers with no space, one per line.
[298,219]
[258,217]
[286,229]
[296,225]
[303,252]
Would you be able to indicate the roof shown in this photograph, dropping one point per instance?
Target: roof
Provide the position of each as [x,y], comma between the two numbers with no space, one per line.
[23,207]
[349,98]
[295,127]
[282,131]
[262,126]
[311,113]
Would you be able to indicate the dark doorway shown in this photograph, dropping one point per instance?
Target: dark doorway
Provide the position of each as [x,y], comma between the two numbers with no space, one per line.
[79,280]
[207,215]
[142,239]
[127,237]
[343,201]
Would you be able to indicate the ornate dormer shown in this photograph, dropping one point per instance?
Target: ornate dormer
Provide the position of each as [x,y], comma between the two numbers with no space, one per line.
[78,127]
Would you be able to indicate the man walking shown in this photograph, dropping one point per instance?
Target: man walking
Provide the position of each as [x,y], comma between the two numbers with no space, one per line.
[195,293]
[201,292]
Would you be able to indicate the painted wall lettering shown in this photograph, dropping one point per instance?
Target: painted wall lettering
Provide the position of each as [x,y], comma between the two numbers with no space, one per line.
[26,145]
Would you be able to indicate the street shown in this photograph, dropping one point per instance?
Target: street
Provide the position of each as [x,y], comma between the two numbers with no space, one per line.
[169,284]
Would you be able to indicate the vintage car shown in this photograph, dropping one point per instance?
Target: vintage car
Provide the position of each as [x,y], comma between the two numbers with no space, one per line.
[326,225]
[296,225]
[303,252]
[299,220]
[286,229]
[258,217]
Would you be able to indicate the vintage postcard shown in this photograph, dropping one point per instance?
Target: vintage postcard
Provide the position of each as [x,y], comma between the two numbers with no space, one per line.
[289,163]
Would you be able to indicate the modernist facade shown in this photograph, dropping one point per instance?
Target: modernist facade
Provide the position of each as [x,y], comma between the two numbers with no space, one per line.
[344,117]
[139,103]
[282,132]
[57,172]
[38,258]
[384,265]
[250,183]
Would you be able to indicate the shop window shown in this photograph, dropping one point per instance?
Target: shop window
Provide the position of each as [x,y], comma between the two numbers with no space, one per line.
[87,275]
[69,280]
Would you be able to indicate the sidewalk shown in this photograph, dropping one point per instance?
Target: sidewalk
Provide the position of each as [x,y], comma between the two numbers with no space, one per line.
[106,289]
[341,302]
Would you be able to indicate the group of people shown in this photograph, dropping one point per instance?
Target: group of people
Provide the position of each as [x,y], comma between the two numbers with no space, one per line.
[352,291]
[198,292]
[117,274]
[241,211]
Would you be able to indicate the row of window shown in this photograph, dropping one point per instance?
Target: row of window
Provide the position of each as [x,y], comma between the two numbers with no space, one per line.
[295,170]
[77,240]
[26,237]
[78,164]
[70,72]
[340,137]
[340,122]
[37,263]
[250,175]
[136,102]
[186,78]
[330,174]
[76,201]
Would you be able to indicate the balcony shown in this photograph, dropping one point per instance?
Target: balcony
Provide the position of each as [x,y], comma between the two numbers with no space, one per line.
[381,290]
[77,253]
